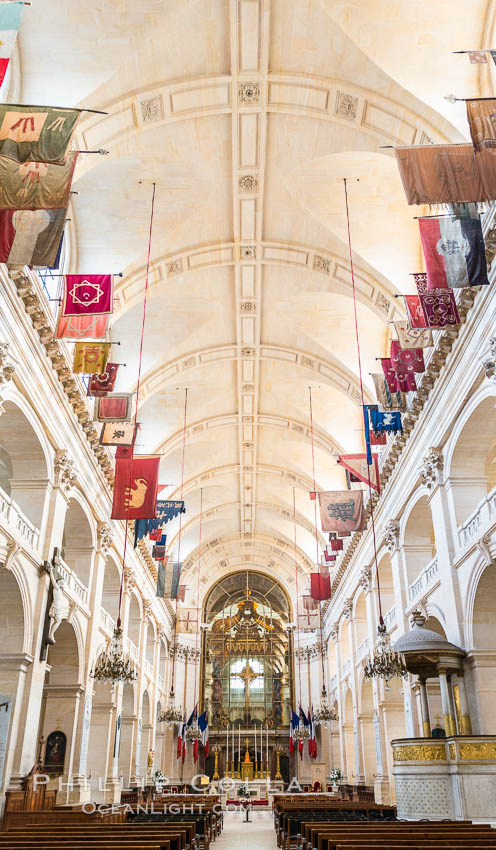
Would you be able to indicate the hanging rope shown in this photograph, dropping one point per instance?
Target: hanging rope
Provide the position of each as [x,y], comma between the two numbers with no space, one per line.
[381,621]
[297,599]
[198,594]
[316,531]
[173,677]
[145,299]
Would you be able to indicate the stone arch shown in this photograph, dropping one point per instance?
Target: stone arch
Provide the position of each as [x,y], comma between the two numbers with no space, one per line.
[151,637]
[62,701]
[360,624]
[385,584]
[146,732]
[367,732]
[101,739]
[78,540]
[128,729]
[418,540]
[345,643]
[111,588]
[163,655]
[25,464]
[348,721]
[482,643]
[134,620]
[471,467]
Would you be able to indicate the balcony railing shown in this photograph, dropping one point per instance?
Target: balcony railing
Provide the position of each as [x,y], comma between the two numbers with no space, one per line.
[74,587]
[390,618]
[13,517]
[346,667]
[480,521]
[131,649]
[363,649]
[424,581]
[148,668]
[107,623]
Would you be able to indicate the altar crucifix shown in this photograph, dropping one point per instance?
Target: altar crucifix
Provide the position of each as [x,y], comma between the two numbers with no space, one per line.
[248,675]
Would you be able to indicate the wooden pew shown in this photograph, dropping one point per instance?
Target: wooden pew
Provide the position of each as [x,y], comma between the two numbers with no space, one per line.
[181,835]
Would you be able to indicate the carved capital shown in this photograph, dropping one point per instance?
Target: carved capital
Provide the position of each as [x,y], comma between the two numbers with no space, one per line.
[431,469]
[147,609]
[347,608]
[334,631]
[365,578]
[65,473]
[129,579]
[488,360]
[7,368]
[392,535]
[105,535]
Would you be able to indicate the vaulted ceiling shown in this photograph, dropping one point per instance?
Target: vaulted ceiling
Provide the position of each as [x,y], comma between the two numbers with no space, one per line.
[248,114]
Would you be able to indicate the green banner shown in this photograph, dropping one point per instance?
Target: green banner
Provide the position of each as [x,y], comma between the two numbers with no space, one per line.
[35,185]
[36,133]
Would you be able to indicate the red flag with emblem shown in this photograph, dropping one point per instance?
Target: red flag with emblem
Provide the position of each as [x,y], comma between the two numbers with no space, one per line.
[135,487]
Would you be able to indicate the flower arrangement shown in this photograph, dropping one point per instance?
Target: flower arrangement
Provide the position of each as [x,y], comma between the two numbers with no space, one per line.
[244,790]
[335,776]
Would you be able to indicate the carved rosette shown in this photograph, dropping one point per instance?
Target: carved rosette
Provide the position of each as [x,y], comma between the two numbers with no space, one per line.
[105,535]
[432,468]
[392,535]
[489,360]
[65,472]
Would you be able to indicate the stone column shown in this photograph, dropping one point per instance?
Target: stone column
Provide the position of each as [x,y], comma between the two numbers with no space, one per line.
[449,725]
[335,637]
[424,703]
[466,723]
[359,774]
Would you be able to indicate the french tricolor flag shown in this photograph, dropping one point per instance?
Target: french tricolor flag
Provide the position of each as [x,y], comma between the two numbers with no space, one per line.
[10,21]
[454,252]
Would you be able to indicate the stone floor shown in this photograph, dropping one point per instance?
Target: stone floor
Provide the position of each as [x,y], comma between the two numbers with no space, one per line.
[257,835]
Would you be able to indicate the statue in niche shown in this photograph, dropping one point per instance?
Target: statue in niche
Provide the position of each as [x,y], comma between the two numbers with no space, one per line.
[56,609]
[55,753]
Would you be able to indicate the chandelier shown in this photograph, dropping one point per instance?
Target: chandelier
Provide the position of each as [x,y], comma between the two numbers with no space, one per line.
[112,665]
[302,732]
[324,714]
[384,662]
[171,714]
[193,732]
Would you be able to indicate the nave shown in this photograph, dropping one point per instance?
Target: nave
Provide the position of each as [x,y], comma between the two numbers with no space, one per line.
[247,422]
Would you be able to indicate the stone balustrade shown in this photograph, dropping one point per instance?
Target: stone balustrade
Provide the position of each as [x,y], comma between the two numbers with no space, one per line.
[479,522]
[73,586]
[390,618]
[107,623]
[363,649]
[14,520]
[424,581]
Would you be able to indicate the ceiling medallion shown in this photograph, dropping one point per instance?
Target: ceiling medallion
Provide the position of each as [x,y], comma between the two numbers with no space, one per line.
[249,92]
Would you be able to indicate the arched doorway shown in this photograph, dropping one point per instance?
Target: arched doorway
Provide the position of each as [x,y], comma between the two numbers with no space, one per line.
[62,694]
[23,466]
[482,653]
[12,673]
[128,731]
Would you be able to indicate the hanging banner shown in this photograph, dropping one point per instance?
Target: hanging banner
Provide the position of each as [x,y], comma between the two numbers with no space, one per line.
[166,510]
[454,252]
[158,550]
[35,185]
[135,487]
[385,421]
[102,383]
[439,308]
[36,133]
[114,407]
[168,580]
[358,466]
[10,21]
[415,312]
[320,587]
[481,116]
[342,511]
[406,359]
[90,357]
[82,327]
[117,434]
[404,382]
[444,174]
[336,544]
[386,399]
[31,237]
[187,622]
[477,57]
[87,294]
[412,337]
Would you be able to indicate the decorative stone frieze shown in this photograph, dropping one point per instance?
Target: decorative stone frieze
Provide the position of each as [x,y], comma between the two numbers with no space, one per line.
[489,360]
[365,578]
[105,535]
[348,608]
[432,468]
[392,535]
[65,473]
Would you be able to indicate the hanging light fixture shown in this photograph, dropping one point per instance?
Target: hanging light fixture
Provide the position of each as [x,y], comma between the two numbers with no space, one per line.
[325,713]
[302,732]
[384,662]
[171,714]
[112,665]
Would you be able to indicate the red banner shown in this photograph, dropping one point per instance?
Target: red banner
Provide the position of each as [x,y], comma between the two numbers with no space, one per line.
[135,487]
[82,327]
[87,294]
[320,586]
